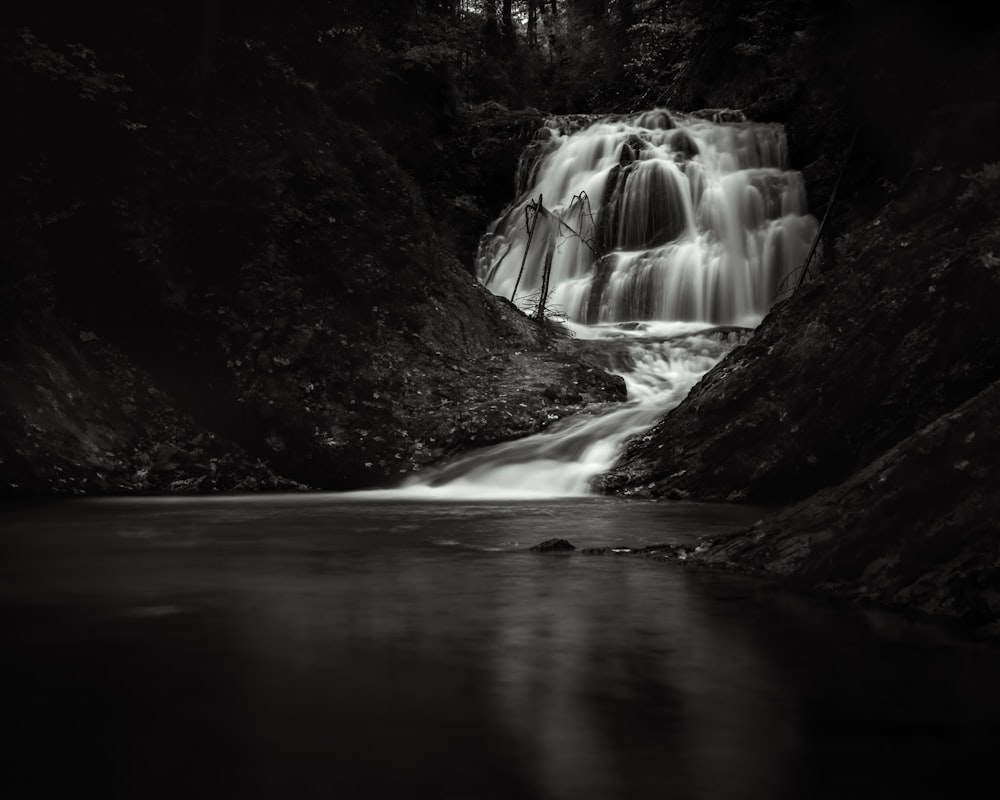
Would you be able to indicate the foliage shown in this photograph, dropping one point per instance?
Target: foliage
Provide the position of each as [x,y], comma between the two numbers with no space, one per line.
[75,66]
[359,63]
[984,186]
[659,55]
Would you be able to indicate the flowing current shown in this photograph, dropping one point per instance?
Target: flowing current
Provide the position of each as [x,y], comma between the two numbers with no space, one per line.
[658,228]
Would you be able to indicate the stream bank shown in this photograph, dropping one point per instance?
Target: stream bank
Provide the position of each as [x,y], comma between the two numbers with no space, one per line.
[245,289]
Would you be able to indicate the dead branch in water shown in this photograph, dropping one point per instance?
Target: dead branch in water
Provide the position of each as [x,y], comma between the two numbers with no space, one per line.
[529,223]
[532,211]
[580,200]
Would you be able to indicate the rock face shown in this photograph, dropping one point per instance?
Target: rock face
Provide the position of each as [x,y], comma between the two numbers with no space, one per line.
[918,528]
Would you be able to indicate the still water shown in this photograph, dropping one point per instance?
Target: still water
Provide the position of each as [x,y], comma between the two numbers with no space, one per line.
[345,647]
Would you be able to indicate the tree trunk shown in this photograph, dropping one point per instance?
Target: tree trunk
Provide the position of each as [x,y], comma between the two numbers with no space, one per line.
[543,296]
[490,12]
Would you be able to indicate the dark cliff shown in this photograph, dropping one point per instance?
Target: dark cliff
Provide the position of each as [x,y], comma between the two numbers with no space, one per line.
[220,270]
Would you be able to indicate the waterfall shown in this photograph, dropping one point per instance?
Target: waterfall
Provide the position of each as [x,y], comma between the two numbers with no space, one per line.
[656,217]
[668,222]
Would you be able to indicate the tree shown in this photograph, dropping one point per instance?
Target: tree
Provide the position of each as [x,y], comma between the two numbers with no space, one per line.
[490,15]
[508,20]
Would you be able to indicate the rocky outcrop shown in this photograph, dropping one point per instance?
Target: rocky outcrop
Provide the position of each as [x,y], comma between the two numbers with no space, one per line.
[917,529]
[904,331]
[554,546]
[209,292]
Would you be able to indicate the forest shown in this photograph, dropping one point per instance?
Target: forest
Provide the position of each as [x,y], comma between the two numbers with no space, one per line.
[238,247]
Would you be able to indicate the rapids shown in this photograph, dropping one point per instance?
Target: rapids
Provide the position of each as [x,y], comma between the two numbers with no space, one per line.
[655,227]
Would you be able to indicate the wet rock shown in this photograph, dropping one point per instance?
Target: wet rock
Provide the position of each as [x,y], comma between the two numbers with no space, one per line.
[682,144]
[663,551]
[554,546]
[562,394]
[627,155]
[631,148]
[915,529]
[657,119]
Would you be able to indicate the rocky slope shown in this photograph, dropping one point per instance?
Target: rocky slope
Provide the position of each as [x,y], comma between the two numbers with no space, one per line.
[904,331]
[915,529]
[237,286]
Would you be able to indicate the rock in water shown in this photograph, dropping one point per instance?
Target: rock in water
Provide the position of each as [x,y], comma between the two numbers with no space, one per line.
[554,546]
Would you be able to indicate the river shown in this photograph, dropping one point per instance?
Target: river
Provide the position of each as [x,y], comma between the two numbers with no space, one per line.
[358,646]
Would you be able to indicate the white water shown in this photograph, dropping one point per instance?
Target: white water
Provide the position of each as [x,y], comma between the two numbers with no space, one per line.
[665,220]
[698,222]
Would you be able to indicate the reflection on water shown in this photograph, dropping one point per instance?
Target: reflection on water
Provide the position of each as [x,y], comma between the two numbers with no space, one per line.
[329,647]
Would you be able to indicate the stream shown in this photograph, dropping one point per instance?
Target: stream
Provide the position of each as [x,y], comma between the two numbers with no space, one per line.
[353,647]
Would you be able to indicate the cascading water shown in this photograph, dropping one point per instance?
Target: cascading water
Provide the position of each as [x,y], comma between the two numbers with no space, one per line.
[670,221]
[658,217]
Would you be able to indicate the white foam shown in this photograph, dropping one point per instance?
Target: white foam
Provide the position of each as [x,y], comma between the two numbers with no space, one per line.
[735,215]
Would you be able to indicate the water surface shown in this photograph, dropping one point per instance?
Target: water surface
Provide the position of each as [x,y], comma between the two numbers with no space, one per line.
[327,646]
